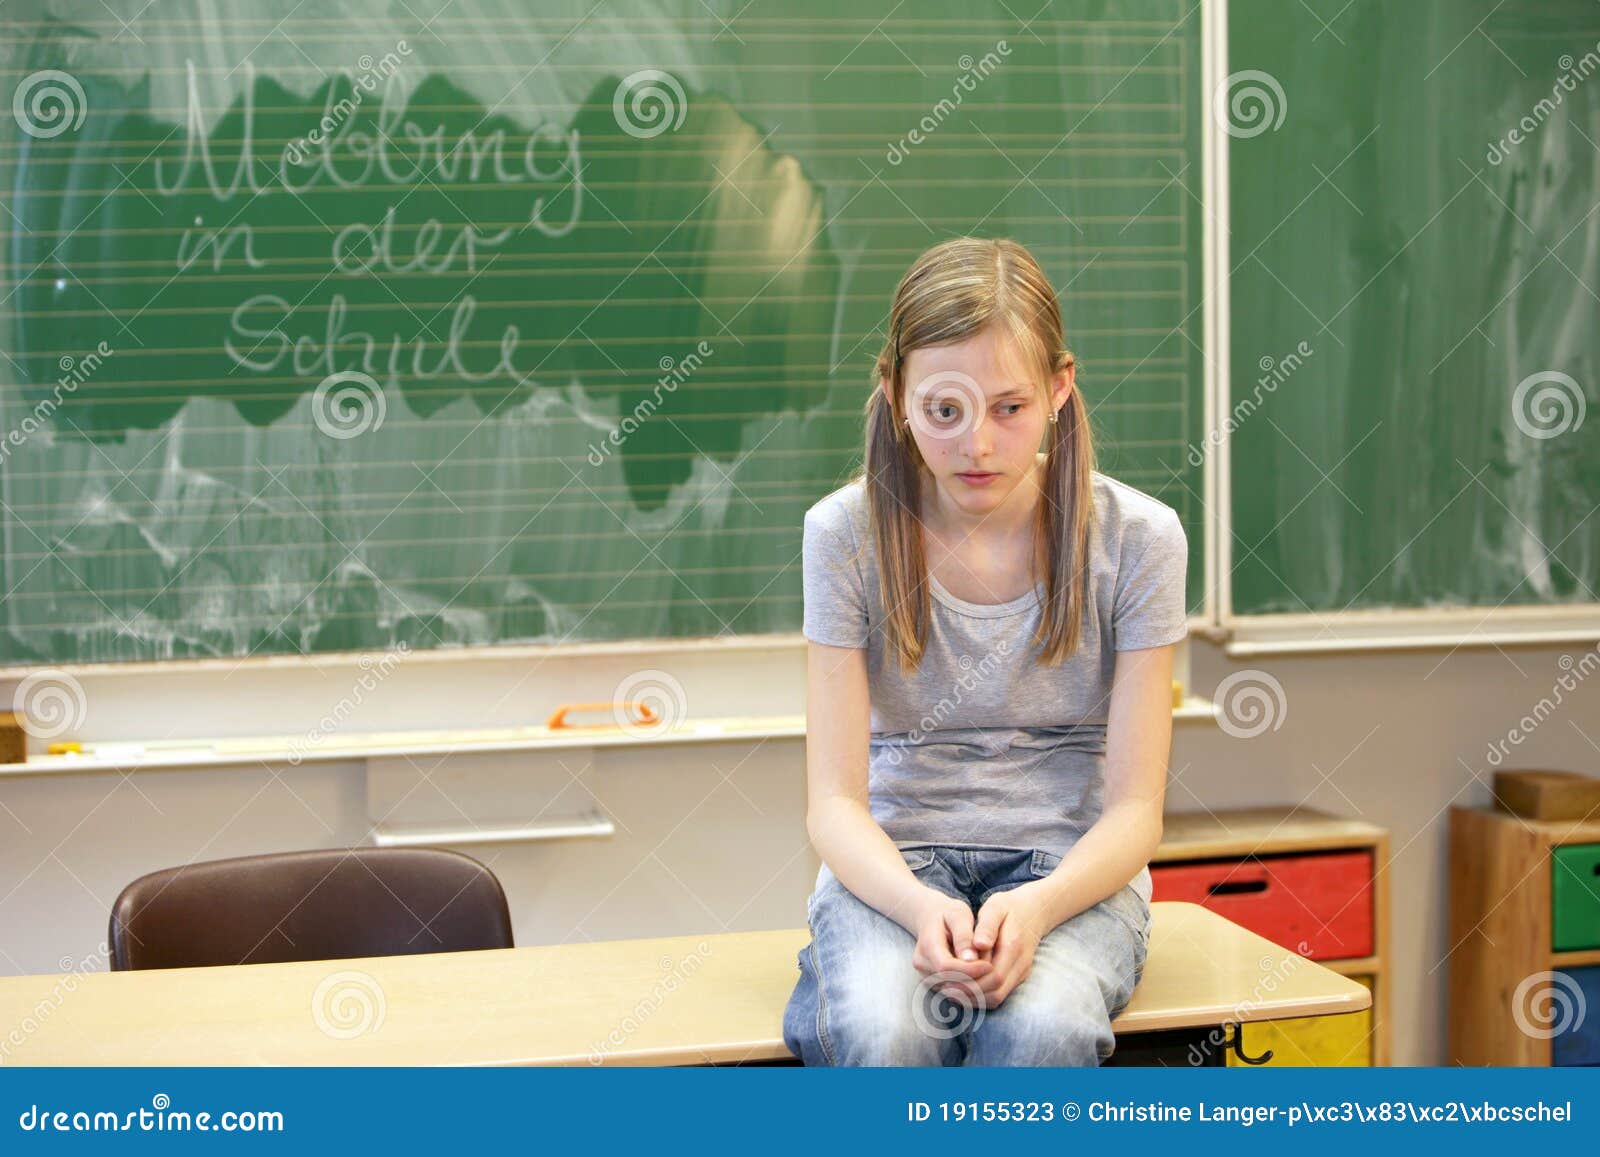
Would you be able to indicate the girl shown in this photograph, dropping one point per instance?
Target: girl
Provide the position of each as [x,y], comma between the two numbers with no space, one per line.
[991,633]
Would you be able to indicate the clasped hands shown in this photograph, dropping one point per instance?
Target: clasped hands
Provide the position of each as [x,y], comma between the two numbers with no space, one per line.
[978,961]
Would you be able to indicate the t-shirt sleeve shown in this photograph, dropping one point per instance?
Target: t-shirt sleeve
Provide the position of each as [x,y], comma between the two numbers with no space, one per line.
[835,601]
[1151,603]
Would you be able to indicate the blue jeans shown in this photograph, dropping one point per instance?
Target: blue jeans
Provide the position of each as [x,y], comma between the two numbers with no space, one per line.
[861,1001]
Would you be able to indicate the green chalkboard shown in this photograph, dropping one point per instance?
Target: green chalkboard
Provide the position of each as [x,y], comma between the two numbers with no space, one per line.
[334,326]
[1420,206]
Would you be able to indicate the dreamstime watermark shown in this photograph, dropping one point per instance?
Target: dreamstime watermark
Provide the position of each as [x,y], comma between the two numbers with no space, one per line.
[972,71]
[944,390]
[34,1019]
[646,703]
[673,374]
[1547,1004]
[1573,73]
[1542,710]
[49,703]
[1274,372]
[348,404]
[373,672]
[675,974]
[1250,703]
[160,1117]
[945,1017]
[348,1004]
[1249,103]
[1277,971]
[48,103]
[335,114]
[1548,404]
[74,372]
[648,103]
[973,674]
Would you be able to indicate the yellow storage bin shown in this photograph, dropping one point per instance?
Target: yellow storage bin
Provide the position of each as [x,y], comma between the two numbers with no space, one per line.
[1323,1041]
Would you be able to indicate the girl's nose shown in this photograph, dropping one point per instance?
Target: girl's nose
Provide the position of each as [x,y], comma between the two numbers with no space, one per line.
[977,440]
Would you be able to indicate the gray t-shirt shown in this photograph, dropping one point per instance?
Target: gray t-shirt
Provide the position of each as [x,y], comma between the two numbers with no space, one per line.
[981,746]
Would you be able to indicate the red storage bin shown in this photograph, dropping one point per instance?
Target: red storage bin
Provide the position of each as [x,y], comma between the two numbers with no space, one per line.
[1322,900]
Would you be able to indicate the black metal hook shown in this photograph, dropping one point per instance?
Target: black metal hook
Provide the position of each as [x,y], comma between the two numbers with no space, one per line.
[1237,1044]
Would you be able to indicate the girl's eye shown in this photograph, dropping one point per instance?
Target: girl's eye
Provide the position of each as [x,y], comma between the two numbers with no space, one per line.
[1012,407]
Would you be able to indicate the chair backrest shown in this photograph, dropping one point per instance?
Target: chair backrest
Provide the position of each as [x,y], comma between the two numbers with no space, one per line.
[318,905]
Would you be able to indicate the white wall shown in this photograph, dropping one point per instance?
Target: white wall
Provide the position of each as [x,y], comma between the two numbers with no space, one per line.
[708,836]
[711,836]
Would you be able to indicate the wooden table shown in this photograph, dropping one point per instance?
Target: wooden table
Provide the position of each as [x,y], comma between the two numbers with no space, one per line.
[682,1000]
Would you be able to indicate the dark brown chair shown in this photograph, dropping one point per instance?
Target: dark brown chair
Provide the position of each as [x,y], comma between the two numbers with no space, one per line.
[319,905]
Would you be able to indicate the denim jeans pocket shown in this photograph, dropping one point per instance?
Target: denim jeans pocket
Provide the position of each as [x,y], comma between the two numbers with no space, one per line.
[917,858]
[1043,863]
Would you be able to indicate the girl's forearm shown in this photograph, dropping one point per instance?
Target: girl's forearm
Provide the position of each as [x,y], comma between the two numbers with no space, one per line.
[860,853]
[1111,853]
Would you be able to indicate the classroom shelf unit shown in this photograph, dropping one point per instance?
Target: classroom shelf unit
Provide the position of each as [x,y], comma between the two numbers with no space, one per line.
[1524,939]
[1307,880]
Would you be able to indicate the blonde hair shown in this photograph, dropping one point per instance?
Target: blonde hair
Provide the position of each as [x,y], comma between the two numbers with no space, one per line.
[952,292]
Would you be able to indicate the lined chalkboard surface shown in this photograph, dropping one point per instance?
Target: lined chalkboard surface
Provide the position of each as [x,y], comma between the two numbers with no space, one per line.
[1421,207]
[333,326]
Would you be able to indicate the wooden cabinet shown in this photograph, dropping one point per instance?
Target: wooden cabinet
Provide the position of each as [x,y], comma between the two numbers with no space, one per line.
[1575,897]
[1305,879]
[1318,903]
[1323,1041]
[1524,939]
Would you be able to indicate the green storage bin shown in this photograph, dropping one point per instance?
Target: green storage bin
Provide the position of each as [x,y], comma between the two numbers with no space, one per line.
[1575,897]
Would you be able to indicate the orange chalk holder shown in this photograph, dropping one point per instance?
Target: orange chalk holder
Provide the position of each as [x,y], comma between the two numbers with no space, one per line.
[558,718]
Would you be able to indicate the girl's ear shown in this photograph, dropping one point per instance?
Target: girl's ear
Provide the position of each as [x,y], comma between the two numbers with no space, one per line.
[1062,385]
